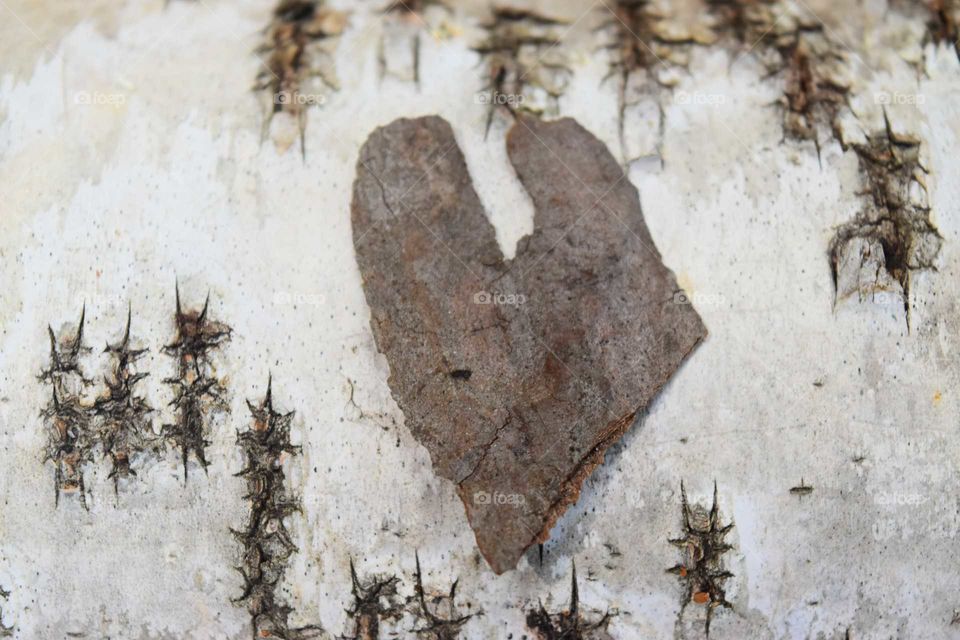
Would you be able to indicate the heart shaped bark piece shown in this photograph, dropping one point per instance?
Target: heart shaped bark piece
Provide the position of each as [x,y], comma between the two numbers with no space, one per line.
[516,375]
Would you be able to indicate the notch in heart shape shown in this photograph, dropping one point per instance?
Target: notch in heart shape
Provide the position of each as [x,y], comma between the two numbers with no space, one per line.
[516,375]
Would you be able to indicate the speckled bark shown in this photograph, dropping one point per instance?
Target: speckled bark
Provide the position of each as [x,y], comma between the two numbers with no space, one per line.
[516,375]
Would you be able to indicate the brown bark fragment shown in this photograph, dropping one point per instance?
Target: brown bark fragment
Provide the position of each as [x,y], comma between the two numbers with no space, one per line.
[563,344]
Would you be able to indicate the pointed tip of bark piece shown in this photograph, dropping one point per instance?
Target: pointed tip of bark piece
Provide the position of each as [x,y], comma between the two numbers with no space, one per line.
[565,343]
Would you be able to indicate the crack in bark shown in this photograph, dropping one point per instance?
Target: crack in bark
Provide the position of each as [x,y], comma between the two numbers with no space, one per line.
[797,48]
[640,49]
[486,449]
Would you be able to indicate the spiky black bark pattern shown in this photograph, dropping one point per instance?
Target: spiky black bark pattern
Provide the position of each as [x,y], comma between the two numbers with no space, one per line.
[5,631]
[124,429]
[908,240]
[892,235]
[71,439]
[409,12]
[515,52]
[266,543]
[289,55]
[434,625]
[701,570]
[633,49]
[374,600]
[943,24]
[797,48]
[197,392]
[569,624]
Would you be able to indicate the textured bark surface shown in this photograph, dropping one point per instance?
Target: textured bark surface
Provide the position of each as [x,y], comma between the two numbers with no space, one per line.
[516,375]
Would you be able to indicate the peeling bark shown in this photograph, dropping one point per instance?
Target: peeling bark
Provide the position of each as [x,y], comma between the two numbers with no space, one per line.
[564,343]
